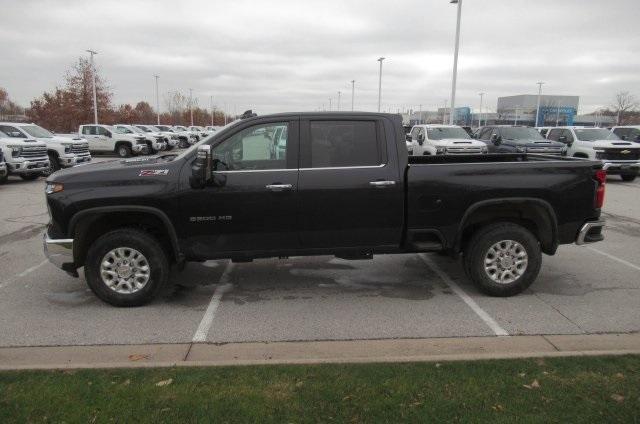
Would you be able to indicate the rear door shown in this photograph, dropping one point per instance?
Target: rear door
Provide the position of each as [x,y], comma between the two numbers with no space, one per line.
[350,188]
[90,133]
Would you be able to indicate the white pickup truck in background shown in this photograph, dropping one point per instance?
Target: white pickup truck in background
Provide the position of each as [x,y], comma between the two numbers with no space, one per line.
[63,152]
[170,138]
[108,139]
[24,157]
[618,156]
[185,139]
[442,139]
[156,143]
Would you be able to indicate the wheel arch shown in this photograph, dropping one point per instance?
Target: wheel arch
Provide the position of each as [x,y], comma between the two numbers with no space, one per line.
[536,215]
[87,225]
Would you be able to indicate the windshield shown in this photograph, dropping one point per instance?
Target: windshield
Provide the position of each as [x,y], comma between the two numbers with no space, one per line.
[441,133]
[36,131]
[520,133]
[207,139]
[163,128]
[592,134]
[143,128]
[116,129]
[197,128]
[181,128]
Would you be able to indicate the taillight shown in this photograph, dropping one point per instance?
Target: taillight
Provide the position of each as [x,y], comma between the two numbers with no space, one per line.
[601,178]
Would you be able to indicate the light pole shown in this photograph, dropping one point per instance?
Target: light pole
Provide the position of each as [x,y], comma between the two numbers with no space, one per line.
[420,114]
[380,59]
[191,105]
[329,104]
[93,78]
[455,62]
[557,113]
[538,106]
[515,121]
[157,100]
[480,113]
[339,94]
[353,91]
[212,112]
[444,113]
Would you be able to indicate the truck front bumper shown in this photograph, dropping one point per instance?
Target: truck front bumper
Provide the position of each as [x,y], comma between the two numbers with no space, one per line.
[69,161]
[142,149]
[590,232]
[3,169]
[29,166]
[59,252]
[621,166]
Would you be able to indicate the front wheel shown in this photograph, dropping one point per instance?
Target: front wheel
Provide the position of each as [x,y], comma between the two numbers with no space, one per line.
[54,165]
[126,267]
[123,151]
[628,177]
[503,259]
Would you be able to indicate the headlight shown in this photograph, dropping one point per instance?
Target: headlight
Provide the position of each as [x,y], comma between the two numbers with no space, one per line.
[67,147]
[16,151]
[441,150]
[521,149]
[54,188]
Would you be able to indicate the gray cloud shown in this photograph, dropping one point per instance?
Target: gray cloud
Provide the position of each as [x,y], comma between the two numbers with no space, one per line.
[294,55]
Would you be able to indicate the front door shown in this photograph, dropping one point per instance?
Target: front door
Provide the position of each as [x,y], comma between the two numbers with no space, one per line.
[251,205]
[350,188]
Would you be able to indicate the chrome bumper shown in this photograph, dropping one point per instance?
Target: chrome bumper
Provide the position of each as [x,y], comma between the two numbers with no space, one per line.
[59,252]
[3,169]
[29,166]
[622,165]
[590,232]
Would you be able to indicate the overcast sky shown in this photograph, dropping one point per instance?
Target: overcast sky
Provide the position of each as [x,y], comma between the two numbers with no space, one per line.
[294,55]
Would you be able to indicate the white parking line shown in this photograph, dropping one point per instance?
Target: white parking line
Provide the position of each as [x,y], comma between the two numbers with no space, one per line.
[23,273]
[622,261]
[207,320]
[491,323]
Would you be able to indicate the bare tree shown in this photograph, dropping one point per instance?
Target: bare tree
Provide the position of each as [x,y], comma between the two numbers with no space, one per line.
[176,103]
[625,102]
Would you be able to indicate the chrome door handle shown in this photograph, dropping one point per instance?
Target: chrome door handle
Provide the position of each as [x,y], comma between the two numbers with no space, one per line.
[382,184]
[278,187]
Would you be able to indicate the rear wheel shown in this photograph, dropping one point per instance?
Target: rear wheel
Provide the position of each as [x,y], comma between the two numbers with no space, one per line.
[628,176]
[503,259]
[126,267]
[123,150]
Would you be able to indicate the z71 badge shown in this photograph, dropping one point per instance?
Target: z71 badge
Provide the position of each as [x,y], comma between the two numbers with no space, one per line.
[153,172]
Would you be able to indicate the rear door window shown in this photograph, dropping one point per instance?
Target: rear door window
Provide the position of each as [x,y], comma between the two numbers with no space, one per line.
[554,134]
[344,144]
[89,130]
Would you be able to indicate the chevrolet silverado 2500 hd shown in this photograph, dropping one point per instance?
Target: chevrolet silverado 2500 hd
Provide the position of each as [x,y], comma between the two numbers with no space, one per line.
[317,183]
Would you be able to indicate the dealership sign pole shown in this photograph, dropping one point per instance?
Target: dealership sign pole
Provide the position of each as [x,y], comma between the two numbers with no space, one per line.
[455,63]
[95,96]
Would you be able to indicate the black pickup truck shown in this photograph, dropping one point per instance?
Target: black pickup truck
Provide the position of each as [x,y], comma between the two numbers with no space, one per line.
[314,184]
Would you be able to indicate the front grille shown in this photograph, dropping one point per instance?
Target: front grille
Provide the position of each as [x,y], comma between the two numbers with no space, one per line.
[33,152]
[545,150]
[464,150]
[80,149]
[617,154]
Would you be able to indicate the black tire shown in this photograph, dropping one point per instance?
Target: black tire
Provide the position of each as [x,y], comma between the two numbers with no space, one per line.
[127,238]
[184,143]
[54,165]
[169,147]
[30,177]
[123,150]
[628,177]
[478,248]
[3,179]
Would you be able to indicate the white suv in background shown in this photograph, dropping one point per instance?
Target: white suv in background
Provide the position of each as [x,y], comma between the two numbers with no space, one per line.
[24,157]
[618,156]
[441,140]
[63,152]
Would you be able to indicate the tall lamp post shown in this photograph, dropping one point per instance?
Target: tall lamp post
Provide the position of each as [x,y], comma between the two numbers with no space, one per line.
[191,104]
[380,59]
[93,78]
[212,111]
[353,90]
[329,104]
[455,62]
[480,112]
[157,100]
[339,94]
[538,106]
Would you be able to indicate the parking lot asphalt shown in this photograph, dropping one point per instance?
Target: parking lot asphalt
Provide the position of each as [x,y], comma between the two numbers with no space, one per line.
[580,290]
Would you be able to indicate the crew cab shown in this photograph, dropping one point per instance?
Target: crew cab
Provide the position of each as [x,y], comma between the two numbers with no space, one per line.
[627,132]
[156,143]
[63,152]
[518,139]
[170,138]
[108,139]
[443,139]
[341,185]
[618,156]
[25,157]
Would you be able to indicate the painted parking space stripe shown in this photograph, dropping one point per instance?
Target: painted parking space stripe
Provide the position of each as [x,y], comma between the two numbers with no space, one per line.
[207,320]
[23,273]
[615,258]
[491,323]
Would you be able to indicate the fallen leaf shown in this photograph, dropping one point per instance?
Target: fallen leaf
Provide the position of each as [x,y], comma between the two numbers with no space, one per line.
[618,398]
[533,385]
[438,365]
[126,382]
[138,357]
[620,375]
[299,383]
[346,397]
[165,409]
[415,404]
[498,408]
[164,382]
[522,374]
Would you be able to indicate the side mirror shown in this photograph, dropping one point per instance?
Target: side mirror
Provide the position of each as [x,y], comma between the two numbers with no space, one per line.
[421,139]
[201,168]
[496,139]
[108,134]
[407,137]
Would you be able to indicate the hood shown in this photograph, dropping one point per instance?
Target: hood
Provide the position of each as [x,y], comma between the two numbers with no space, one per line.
[534,143]
[459,142]
[116,169]
[30,142]
[63,139]
[612,144]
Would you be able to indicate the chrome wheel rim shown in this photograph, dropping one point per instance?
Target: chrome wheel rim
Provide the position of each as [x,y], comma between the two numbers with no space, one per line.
[506,261]
[125,270]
